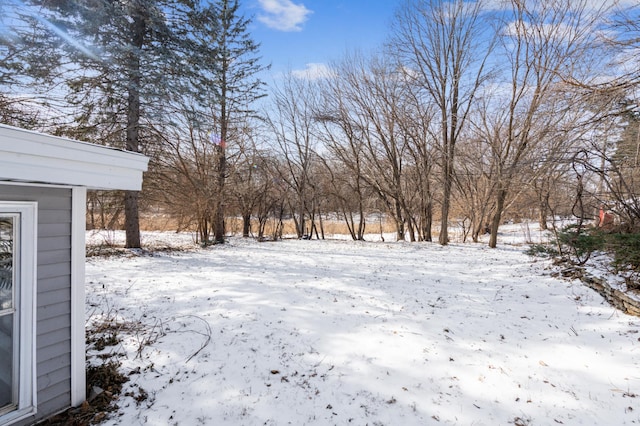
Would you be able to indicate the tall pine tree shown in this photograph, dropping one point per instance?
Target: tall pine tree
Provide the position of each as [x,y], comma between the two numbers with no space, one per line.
[116,65]
[121,69]
[230,83]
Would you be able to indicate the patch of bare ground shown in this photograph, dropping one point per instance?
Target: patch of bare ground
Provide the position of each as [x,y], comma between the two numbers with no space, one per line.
[105,378]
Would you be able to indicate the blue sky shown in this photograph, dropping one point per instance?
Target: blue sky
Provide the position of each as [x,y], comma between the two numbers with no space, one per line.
[300,34]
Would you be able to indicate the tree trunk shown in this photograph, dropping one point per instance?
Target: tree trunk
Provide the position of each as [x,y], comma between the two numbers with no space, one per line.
[475,233]
[348,219]
[362,224]
[321,225]
[132,220]
[544,212]
[443,239]
[218,220]
[427,210]
[277,232]
[301,222]
[497,217]
[361,213]
[426,229]
[448,146]
[411,229]
[399,222]
[246,225]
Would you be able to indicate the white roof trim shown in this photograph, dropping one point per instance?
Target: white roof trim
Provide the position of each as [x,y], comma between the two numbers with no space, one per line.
[29,156]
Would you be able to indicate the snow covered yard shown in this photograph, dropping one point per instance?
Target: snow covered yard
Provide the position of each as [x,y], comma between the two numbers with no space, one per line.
[341,332]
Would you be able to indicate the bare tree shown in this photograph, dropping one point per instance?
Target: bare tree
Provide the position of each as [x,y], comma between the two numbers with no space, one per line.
[415,120]
[104,209]
[348,196]
[612,163]
[292,122]
[622,37]
[247,179]
[612,152]
[231,80]
[439,44]
[372,97]
[543,44]
[345,160]
[475,182]
[184,176]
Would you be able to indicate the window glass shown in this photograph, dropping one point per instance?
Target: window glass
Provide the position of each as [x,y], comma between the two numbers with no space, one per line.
[6,361]
[7,311]
[6,262]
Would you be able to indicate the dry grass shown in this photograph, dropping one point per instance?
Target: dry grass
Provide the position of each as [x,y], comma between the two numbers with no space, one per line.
[161,222]
[158,221]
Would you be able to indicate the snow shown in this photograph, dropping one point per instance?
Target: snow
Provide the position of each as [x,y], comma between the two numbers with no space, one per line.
[340,332]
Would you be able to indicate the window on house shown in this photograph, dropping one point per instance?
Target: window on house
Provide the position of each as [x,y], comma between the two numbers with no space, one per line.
[17,308]
[7,309]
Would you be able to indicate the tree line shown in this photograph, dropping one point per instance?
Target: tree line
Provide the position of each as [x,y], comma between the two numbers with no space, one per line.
[471,113]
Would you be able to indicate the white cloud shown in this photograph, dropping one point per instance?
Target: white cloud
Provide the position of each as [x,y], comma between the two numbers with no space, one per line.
[313,71]
[283,15]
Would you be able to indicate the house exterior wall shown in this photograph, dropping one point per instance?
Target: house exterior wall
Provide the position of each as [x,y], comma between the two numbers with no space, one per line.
[53,309]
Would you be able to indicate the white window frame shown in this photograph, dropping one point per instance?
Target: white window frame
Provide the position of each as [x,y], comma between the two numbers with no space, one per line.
[25,307]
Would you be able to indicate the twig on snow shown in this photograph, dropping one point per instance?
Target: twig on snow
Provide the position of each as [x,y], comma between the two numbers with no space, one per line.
[208,334]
